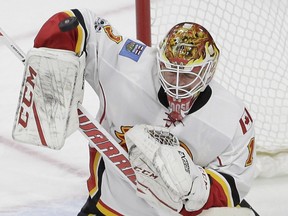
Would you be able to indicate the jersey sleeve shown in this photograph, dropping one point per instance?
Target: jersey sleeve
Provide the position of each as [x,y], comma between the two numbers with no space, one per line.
[51,36]
[232,173]
[93,36]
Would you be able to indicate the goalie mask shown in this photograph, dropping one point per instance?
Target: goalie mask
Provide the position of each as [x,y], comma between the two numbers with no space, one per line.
[187,58]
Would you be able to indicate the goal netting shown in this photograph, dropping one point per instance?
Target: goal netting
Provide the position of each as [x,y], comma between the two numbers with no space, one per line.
[252,37]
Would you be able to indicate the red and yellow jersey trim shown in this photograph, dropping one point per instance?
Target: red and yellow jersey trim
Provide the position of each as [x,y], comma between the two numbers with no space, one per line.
[106,210]
[81,35]
[93,181]
[224,185]
[51,36]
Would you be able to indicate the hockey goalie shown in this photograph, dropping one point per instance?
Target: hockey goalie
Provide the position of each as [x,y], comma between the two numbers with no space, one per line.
[196,148]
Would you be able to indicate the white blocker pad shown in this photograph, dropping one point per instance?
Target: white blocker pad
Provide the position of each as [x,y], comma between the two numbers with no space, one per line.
[51,89]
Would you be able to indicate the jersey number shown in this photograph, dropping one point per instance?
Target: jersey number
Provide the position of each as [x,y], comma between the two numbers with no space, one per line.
[108,30]
[250,147]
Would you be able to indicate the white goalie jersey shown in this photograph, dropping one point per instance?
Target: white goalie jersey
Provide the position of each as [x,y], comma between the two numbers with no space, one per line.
[217,132]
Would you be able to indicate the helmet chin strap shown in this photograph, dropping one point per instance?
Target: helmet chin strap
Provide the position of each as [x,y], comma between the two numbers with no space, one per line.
[178,109]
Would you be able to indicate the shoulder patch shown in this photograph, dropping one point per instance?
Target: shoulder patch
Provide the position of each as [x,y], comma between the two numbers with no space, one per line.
[245,121]
[132,50]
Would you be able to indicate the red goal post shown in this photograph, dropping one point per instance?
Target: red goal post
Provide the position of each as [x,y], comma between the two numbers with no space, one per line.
[143,21]
[252,37]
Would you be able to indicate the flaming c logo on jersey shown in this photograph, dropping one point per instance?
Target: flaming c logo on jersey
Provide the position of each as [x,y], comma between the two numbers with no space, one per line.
[124,129]
[120,136]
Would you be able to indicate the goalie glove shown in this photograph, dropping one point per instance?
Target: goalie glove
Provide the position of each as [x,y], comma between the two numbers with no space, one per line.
[150,185]
[179,175]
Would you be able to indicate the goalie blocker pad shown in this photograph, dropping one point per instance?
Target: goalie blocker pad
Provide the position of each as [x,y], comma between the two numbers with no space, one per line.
[51,89]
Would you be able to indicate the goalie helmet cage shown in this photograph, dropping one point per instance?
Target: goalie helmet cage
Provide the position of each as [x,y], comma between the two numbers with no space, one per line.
[252,37]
